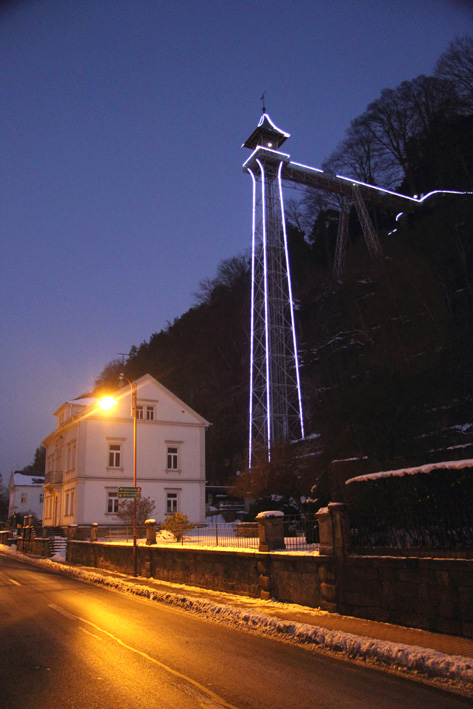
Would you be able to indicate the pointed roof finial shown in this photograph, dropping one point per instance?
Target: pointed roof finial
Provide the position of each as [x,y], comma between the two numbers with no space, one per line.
[262,99]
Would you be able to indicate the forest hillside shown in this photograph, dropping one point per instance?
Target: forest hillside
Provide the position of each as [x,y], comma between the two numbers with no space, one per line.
[385,345]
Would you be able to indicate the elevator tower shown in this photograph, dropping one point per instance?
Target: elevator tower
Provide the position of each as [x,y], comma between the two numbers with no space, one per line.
[275,392]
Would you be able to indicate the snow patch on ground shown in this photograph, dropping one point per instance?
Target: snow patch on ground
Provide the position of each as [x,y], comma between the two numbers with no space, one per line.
[419,660]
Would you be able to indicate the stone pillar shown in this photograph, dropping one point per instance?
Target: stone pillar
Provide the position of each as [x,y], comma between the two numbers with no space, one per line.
[334,529]
[72,531]
[341,528]
[93,531]
[271,530]
[264,577]
[324,519]
[150,525]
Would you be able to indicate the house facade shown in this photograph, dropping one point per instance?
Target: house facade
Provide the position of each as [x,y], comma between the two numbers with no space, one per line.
[26,494]
[90,454]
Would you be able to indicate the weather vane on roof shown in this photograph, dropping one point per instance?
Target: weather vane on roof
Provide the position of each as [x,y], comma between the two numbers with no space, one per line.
[262,99]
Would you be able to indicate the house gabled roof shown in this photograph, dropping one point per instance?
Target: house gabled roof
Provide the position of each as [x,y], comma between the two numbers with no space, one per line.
[87,402]
[176,399]
[21,479]
[84,401]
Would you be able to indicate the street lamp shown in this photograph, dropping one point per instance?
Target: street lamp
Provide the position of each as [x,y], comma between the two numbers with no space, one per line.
[133,396]
[107,402]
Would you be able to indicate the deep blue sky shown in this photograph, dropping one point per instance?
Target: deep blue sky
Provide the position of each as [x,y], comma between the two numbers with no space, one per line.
[121,123]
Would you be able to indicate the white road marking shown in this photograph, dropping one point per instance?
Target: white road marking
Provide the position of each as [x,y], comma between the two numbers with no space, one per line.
[92,634]
[62,611]
[215,697]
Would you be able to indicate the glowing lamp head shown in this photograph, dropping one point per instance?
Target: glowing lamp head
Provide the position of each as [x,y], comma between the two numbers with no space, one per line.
[107,402]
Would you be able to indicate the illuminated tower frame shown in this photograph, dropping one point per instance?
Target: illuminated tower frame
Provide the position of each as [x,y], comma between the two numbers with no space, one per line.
[275,392]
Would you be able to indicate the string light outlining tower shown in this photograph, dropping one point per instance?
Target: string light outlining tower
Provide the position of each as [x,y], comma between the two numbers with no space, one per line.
[275,392]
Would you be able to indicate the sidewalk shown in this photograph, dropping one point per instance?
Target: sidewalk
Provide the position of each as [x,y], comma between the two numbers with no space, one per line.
[447,644]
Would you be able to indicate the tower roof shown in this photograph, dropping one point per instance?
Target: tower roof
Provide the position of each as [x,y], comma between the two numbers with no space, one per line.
[267,134]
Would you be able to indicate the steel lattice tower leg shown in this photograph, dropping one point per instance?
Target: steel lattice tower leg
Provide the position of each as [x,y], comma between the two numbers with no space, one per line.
[275,395]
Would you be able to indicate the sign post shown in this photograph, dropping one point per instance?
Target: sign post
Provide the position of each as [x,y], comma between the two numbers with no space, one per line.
[129,493]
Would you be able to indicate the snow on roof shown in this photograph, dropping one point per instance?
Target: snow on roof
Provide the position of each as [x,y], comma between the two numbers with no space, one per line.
[450,465]
[25,479]
[84,401]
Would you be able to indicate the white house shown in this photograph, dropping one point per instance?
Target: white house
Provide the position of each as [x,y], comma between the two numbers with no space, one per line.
[26,494]
[90,455]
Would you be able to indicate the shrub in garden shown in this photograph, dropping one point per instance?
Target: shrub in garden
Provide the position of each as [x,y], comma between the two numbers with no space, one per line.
[177,524]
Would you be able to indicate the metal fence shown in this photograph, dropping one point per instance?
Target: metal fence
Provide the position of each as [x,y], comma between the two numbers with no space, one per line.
[223,534]
[300,534]
[445,528]
[120,533]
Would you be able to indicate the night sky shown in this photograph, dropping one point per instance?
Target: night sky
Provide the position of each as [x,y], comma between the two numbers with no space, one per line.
[121,124]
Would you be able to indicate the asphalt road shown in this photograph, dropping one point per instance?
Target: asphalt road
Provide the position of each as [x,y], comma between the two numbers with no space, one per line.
[64,643]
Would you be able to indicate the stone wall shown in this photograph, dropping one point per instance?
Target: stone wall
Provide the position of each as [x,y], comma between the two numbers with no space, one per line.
[291,578]
[36,546]
[299,579]
[230,571]
[429,593]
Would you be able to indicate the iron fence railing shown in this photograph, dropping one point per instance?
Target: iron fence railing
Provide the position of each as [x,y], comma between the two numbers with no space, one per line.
[223,534]
[300,534]
[445,528]
[120,533]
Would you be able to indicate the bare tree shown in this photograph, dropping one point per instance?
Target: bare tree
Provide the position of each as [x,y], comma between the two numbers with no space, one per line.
[229,272]
[359,155]
[376,147]
[144,508]
[456,65]
[295,213]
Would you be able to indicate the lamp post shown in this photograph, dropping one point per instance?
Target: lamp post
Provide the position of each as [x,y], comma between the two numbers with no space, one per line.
[133,413]
[107,402]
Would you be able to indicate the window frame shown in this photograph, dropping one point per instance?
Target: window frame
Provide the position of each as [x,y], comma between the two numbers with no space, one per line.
[112,497]
[114,456]
[172,497]
[172,457]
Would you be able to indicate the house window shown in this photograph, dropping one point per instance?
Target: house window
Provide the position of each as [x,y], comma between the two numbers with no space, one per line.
[71,456]
[114,455]
[171,502]
[67,504]
[41,497]
[150,413]
[172,458]
[112,502]
[23,496]
[139,412]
